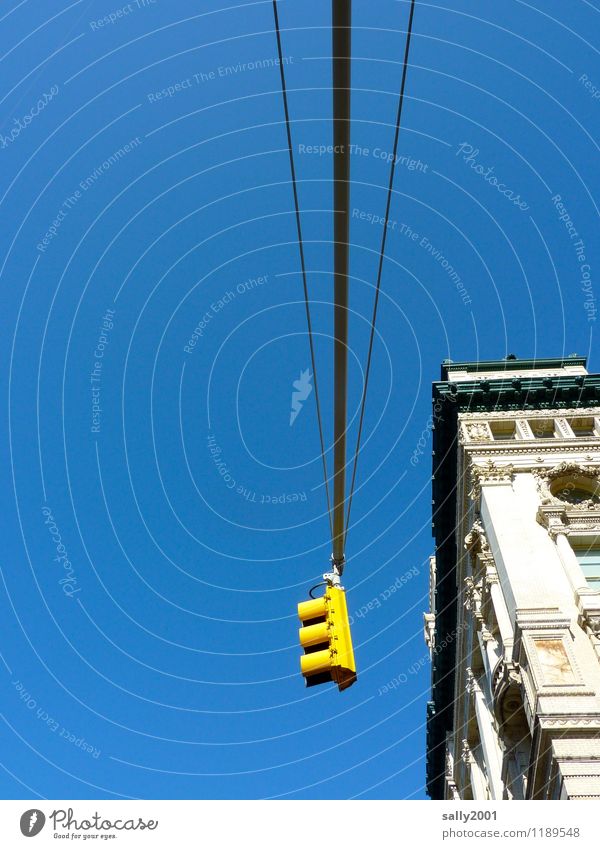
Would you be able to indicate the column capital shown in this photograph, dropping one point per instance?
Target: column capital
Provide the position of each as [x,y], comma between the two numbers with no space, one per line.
[486,635]
[554,519]
[491,575]
[489,474]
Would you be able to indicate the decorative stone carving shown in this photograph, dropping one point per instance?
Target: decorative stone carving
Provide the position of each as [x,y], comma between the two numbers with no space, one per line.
[546,478]
[491,576]
[470,593]
[471,682]
[429,630]
[472,600]
[539,618]
[476,540]
[563,428]
[527,453]
[570,722]
[449,764]
[486,634]
[586,522]
[525,450]
[557,512]
[535,414]
[592,621]
[454,792]
[506,689]
[489,474]
[554,519]
[466,754]
[523,429]
[589,621]
[477,432]
[560,519]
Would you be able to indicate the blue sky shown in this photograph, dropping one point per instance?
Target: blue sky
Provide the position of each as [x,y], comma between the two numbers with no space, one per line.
[161,517]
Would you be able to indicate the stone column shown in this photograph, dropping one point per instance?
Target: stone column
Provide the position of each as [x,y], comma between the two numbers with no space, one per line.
[500,609]
[487,735]
[491,651]
[523,557]
[569,560]
[478,782]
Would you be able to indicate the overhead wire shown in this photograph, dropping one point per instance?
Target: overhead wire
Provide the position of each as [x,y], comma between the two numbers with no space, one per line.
[302,262]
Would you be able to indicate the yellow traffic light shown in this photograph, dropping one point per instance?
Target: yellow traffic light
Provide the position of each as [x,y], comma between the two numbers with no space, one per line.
[326,640]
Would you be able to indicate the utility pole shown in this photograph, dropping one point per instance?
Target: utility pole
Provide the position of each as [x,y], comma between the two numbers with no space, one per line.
[341,52]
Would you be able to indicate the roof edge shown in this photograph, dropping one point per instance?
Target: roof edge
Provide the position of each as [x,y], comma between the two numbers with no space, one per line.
[448,366]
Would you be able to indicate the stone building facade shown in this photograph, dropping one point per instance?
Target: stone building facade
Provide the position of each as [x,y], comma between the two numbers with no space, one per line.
[514,623]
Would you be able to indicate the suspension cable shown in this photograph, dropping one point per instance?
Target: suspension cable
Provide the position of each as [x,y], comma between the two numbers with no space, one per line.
[302,262]
[381,257]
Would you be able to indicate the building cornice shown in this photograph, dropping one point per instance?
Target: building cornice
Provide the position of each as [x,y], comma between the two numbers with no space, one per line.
[521,393]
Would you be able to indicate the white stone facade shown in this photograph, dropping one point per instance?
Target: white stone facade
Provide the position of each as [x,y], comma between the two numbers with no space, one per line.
[526,713]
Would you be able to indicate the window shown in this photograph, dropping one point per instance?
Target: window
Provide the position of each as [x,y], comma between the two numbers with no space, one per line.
[502,429]
[576,489]
[584,426]
[542,428]
[589,560]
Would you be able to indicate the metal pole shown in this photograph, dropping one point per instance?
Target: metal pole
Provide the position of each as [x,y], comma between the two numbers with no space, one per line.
[341,41]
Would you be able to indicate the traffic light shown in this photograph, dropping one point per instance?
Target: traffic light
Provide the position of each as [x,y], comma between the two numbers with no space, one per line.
[326,640]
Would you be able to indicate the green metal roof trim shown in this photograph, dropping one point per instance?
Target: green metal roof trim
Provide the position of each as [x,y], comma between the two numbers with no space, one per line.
[449,399]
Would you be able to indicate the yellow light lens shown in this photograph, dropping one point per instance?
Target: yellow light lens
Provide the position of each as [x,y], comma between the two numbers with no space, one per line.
[316,608]
[312,635]
[315,662]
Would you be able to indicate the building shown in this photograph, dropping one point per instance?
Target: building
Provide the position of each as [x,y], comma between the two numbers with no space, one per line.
[514,623]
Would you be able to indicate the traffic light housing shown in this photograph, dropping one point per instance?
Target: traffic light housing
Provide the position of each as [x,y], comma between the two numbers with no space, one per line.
[326,640]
